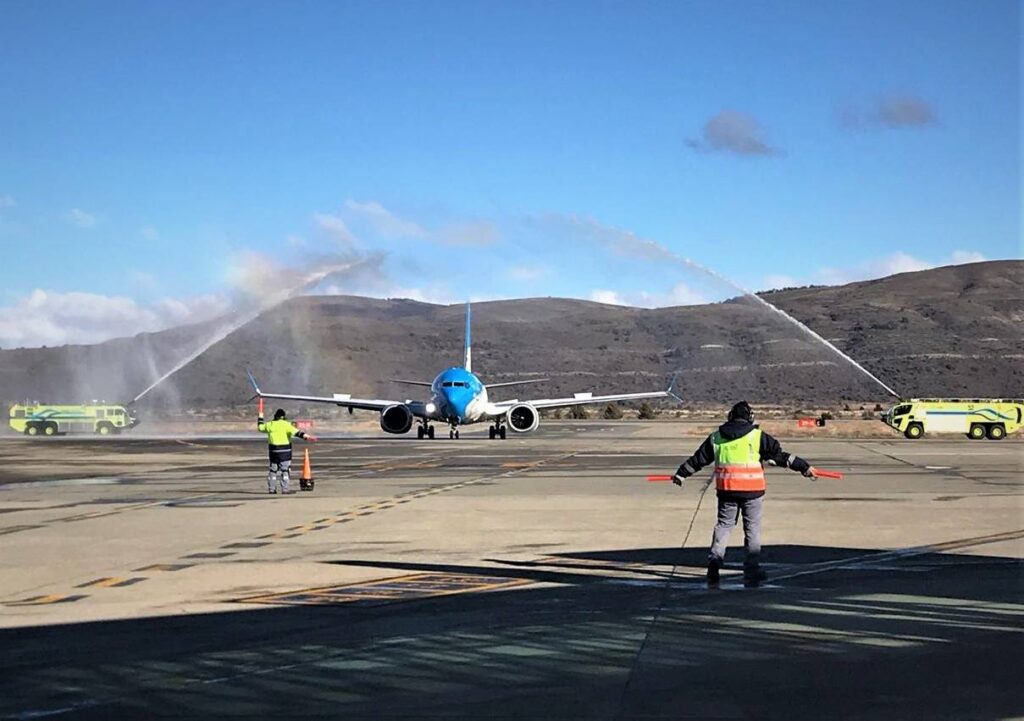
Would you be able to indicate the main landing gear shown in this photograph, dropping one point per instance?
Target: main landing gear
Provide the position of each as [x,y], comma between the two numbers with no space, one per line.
[425,431]
[496,431]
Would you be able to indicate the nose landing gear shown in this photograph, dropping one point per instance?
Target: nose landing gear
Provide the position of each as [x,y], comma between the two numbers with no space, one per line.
[453,433]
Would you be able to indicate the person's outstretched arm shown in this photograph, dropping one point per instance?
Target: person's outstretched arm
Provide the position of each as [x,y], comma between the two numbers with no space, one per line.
[771,450]
[705,455]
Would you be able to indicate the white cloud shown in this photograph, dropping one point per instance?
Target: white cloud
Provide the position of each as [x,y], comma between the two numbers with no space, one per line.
[775,282]
[82,219]
[680,294]
[527,273]
[49,318]
[471,233]
[336,228]
[383,221]
[141,279]
[732,132]
[892,111]
[898,262]
[962,257]
[6,201]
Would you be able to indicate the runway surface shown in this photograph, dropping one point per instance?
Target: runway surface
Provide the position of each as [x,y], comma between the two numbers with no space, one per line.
[537,577]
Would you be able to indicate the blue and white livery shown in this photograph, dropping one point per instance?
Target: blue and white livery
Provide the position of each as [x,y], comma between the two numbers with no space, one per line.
[459,398]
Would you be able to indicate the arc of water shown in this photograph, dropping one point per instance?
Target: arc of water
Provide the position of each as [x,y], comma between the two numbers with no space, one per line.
[233,322]
[786,316]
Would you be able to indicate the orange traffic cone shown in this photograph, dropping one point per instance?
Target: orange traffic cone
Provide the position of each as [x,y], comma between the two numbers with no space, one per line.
[306,479]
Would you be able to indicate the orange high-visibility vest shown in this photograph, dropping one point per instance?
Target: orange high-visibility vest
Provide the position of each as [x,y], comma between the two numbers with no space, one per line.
[738,462]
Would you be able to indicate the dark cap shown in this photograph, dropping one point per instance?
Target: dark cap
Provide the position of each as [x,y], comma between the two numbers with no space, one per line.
[741,411]
[279,414]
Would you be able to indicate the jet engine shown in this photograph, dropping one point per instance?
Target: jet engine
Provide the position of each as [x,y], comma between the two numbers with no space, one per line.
[523,418]
[396,419]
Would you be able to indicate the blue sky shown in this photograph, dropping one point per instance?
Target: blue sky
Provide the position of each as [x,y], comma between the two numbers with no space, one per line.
[157,159]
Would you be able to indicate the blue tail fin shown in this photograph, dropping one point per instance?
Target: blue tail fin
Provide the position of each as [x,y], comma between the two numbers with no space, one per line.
[467,362]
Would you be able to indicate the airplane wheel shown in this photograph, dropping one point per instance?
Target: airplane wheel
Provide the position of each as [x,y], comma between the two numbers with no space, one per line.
[456,435]
[492,433]
[451,435]
[430,432]
[501,432]
[420,433]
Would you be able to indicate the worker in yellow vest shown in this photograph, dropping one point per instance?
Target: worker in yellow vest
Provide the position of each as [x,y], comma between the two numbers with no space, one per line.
[279,438]
[738,449]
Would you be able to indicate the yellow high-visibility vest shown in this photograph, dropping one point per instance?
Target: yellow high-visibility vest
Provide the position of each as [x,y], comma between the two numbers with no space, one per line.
[738,462]
[279,433]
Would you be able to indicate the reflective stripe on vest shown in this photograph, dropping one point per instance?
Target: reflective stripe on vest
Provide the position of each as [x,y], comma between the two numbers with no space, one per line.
[738,462]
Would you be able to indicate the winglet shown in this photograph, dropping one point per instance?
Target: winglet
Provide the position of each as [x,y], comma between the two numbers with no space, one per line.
[255,386]
[671,386]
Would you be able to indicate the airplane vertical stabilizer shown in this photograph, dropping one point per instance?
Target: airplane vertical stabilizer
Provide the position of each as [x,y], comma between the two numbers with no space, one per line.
[468,360]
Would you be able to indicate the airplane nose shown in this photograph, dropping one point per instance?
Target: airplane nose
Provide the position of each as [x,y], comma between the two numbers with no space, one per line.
[456,400]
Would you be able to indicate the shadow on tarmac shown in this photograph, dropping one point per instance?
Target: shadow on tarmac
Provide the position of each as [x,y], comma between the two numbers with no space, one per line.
[935,636]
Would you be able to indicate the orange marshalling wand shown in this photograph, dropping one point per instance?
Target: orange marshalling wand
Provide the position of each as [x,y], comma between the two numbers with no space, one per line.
[818,472]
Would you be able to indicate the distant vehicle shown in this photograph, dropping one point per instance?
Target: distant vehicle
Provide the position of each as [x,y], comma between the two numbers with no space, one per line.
[43,419]
[458,398]
[976,418]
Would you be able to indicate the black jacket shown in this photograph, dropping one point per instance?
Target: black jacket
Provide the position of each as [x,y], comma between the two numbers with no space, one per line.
[771,450]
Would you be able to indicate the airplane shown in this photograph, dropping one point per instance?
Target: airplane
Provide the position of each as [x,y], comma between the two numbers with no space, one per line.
[459,398]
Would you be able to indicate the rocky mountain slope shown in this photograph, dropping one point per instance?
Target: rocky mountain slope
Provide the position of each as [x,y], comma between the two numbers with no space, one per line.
[953,331]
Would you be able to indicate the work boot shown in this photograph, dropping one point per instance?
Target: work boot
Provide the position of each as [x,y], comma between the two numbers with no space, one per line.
[753,576]
[272,491]
[713,575]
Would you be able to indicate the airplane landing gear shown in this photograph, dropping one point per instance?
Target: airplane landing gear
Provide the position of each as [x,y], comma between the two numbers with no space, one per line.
[425,431]
[453,433]
[496,431]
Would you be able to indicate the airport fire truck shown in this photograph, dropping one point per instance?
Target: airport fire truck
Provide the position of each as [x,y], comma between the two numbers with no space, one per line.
[42,419]
[976,418]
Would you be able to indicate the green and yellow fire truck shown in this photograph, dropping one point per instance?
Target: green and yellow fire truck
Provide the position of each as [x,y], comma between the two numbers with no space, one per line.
[977,418]
[43,419]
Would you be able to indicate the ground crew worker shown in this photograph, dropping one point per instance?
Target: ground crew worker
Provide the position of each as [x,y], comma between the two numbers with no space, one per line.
[279,437]
[738,449]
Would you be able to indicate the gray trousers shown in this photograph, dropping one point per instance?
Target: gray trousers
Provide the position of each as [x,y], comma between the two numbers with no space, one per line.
[284,467]
[728,514]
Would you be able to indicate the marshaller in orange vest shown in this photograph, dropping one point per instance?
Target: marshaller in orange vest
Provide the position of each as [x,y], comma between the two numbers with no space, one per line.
[739,449]
[279,438]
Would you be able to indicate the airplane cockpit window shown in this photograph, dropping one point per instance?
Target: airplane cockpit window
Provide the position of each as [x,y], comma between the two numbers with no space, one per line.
[447,384]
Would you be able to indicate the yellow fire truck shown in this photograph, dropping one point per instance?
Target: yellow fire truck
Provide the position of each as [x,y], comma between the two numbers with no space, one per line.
[42,419]
[977,418]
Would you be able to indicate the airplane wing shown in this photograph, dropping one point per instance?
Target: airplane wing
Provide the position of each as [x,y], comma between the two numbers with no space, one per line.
[579,399]
[343,400]
[506,384]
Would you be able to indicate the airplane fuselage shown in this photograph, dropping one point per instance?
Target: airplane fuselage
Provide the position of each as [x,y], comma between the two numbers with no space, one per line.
[458,396]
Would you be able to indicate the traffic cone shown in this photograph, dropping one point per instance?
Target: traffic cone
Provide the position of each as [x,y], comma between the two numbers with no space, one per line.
[306,479]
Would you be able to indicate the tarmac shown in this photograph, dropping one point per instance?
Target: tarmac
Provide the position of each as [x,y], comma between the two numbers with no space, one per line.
[537,577]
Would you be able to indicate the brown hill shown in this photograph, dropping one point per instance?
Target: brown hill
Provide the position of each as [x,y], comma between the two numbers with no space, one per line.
[954,331]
